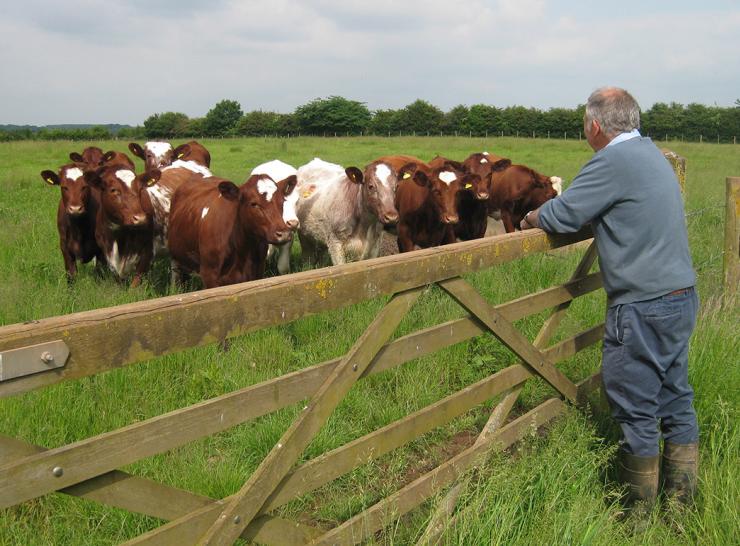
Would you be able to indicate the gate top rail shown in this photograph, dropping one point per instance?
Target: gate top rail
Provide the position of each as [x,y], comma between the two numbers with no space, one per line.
[112,337]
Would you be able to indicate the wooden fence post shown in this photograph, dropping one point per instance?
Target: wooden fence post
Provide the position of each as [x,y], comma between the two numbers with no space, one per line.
[731,267]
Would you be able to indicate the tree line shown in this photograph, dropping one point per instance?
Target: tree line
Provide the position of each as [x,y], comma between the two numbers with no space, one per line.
[338,116]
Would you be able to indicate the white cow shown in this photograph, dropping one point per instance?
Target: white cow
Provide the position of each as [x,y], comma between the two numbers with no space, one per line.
[344,210]
[277,170]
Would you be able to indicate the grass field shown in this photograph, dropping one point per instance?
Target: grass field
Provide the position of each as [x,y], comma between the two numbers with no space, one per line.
[552,489]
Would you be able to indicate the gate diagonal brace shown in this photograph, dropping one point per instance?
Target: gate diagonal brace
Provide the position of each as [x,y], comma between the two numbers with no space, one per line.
[245,504]
[532,357]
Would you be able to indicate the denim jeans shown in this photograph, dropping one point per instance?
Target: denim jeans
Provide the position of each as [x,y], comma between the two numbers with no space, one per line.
[645,371]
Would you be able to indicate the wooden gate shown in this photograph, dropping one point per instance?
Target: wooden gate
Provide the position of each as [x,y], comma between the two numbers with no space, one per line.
[64,348]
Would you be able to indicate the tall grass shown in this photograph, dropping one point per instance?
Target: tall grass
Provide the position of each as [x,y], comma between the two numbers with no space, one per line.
[553,489]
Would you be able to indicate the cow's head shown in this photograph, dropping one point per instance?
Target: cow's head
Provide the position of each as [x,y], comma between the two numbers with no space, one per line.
[121,195]
[90,158]
[192,151]
[485,165]
[260,206]
[75,189]
[111,158]
[378,189]
[156,155]
[442,183]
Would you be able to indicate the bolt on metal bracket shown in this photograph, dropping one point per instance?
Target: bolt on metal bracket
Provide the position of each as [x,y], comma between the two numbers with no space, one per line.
[33,359]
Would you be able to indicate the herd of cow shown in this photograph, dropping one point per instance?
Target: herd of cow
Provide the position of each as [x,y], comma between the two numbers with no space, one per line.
[209,226]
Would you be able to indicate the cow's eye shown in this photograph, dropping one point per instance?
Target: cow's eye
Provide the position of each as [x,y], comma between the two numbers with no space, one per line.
[255,204]
[371,187]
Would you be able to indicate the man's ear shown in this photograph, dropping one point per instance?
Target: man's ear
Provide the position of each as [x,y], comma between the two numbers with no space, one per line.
[51,178]
[229,190]
[354,174]
[137,150]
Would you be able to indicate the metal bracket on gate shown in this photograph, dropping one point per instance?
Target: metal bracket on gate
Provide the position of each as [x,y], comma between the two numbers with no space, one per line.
[34,359]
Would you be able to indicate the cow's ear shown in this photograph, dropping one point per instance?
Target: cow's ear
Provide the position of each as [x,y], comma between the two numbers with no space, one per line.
[454,165]
[137,150]
[288,185]
[152,177]
[229,190]
[354,174]
[500,165]
[407,171]
[421,178]
[469,180]
[51,178]
[107,156]
[94,179]
[181,151]
[76,157]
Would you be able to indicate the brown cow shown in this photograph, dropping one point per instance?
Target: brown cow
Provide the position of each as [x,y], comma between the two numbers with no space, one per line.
[76,216]
[123,229]
[426,200]
[222,231]
[90,159]
[193,151]
[517,190]
[112,158]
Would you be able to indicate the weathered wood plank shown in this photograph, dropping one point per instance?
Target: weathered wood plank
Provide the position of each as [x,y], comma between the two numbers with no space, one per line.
[245,505]
[122,490]
[509,336]
[103,453]
[731,258]
[104,339]
[362,525]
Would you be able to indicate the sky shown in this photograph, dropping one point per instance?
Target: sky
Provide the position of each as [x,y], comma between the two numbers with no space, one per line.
[98,61]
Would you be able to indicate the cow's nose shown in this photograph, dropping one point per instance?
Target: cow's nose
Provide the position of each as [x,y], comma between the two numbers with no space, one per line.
[75,210]
[293,224]
[450,219]
[281,236]
[482,196]
[139,219]
[390,219]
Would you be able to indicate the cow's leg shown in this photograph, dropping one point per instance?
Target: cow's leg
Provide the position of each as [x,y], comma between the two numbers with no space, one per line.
[405,242]
[506,219]
[145,262]
[309,250]
[283,259]
[70,264]
[449,235]
[336,251]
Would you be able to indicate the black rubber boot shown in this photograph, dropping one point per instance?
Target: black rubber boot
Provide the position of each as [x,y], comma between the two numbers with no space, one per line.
[680,466]
[640,474]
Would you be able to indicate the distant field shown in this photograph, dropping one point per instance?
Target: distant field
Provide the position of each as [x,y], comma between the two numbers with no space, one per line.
[556,490]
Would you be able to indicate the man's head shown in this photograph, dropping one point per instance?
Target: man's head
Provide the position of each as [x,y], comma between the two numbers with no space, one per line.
[609,112]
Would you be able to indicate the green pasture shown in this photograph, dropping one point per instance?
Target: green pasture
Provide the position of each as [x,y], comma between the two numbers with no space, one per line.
[550,489]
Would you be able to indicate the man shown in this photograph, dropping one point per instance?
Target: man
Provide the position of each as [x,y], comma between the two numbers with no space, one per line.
[629,194]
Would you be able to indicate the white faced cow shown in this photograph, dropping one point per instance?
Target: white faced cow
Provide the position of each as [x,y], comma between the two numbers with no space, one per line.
[345,210]
[277,170]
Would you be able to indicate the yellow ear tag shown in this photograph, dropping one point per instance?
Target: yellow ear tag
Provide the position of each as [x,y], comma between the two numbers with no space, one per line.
[180,155]
[468,186]
[50,181]
[406,175]
[152,182]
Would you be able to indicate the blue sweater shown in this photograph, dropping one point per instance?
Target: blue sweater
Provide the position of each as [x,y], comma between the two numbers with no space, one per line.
[630,195]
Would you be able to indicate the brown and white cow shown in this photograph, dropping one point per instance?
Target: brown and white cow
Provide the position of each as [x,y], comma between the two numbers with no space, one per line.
[278,170]
[344,210]
[193,151]
[426,200]
[221,231]
[518,189]
[155,154]
[76,217]
[123,228]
